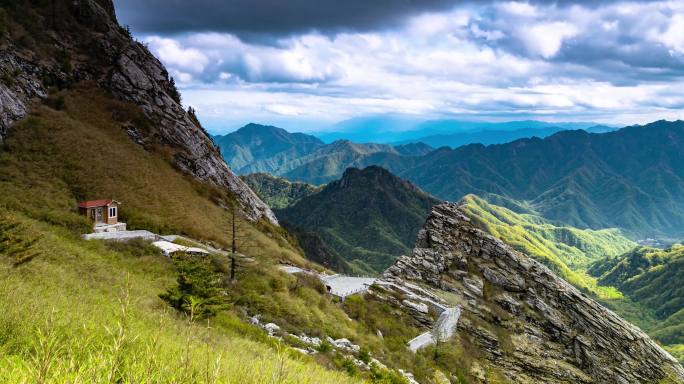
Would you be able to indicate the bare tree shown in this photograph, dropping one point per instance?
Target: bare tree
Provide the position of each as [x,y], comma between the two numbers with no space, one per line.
[241,241]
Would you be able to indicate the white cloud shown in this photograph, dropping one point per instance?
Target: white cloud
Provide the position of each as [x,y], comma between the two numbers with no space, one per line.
[518,8]
[546,39]
[506,59]
[673,37]
[170,52]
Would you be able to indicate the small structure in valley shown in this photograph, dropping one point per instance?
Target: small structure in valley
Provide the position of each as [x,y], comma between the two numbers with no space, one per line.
[104,214]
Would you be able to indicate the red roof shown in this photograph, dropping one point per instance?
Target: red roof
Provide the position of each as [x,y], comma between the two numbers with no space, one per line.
[95,203]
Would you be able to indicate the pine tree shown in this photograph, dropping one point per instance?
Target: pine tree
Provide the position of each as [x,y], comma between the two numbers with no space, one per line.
[173,91]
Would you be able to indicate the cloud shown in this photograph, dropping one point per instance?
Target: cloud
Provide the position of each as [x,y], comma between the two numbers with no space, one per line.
[602,60]
[546,39]
[171,52]
[253,17]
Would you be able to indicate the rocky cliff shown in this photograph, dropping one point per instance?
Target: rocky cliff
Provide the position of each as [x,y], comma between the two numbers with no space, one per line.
[81,40]
[518,319]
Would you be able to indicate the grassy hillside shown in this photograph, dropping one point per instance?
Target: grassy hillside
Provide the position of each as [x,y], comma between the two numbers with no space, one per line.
[369,217]
[276,191]
[81,311]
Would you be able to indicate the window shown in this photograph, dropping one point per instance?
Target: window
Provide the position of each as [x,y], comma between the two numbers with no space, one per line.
[112,212]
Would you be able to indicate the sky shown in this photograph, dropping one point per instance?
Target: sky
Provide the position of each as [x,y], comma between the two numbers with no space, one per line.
[306,64]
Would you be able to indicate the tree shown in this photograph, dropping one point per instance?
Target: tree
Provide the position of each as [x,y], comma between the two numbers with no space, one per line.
[173,91]
[200,290]
[241,241]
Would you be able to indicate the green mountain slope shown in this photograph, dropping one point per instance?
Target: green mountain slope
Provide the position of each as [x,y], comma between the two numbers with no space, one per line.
[369,216]
[568,251]
[652,277]
[276,191]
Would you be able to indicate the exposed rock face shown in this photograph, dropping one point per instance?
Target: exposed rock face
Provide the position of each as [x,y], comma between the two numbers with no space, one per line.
[18,85]
[521,320]
[103,51]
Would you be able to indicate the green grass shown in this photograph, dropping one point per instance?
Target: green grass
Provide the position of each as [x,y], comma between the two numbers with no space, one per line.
[84,312]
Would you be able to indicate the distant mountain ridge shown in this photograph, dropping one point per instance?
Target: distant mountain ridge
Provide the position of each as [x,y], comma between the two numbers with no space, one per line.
[407,129]
[258,148]
[487,137]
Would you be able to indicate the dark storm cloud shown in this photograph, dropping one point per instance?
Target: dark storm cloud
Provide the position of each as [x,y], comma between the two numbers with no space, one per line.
[269,16]
[278,17]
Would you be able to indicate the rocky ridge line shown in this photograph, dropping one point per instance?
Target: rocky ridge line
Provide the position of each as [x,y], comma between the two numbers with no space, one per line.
[108,55]
[521,319]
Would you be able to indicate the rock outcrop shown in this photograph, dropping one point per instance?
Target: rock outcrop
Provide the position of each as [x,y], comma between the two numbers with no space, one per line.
[518,318]
[91,45]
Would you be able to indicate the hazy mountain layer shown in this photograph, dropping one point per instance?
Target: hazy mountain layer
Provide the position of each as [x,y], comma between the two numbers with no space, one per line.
[409,129]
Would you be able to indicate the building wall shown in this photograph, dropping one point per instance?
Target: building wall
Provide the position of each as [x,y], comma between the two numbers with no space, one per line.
[112,220]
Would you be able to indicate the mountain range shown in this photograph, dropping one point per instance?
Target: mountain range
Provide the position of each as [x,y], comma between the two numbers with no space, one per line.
[496,136]
[632,178]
